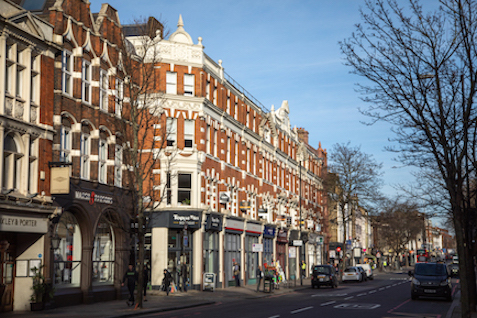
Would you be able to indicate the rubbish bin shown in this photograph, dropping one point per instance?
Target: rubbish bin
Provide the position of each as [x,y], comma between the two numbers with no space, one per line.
[267,284]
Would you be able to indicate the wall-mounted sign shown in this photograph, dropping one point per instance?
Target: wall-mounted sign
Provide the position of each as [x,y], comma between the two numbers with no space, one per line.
[23,224]
[214,222]
[181,219]
[224,197]
[291,252]
[297,243]
[93,197]
[268,231]
[257,247]
[254,228]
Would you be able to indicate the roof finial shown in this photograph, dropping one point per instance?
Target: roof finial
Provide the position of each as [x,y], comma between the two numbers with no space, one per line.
[180,23]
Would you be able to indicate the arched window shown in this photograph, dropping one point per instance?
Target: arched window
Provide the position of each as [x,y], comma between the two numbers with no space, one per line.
[103,253]
[67,269]
[11,163]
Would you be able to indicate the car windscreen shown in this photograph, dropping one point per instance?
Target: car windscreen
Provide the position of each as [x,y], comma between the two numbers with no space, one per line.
[350,270]
[322,270]
[430,270]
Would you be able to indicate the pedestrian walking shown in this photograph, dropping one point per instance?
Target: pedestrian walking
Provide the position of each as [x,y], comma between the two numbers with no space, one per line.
[166,281]
[131,277]
[146,280]
[303,269]
[259,277]
[236,271]
[184,275]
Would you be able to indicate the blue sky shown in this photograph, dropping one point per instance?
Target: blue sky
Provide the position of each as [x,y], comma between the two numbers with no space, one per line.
[284,50]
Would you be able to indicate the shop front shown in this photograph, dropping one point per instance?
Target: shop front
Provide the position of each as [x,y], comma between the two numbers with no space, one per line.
[211,253]
[173,246]
[95,243]
[22,247]
[282,250]
[252,237]
[234,228]
[269,232]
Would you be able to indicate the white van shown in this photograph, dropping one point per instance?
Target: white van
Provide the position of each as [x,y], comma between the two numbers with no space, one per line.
[455,259]
[367,268]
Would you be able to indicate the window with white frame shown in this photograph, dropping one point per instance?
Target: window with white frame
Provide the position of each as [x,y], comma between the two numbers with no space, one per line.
[171,131]
[168,189]
[207,90]
[189,84]
[236,108]
[67,73]
[32,166]
[119,97]
[248,159]
[86,82]
[103,90]
[216,141]
[184,185]
[102,160]
[228,149]
[207,139]
[85,152]
[20,71]
[171,83]
[228,102]
[35,79]
[15,70]
[236,153]
[65,144]
[12,156]
[189,133]
[118,166]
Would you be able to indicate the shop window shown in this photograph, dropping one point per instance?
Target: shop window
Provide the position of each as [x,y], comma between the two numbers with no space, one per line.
[184,188]
[103,253]
[67,263]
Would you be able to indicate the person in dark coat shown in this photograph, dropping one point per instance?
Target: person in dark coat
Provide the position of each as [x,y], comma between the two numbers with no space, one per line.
[236,272]
[146,279]
[184,275]
[166,281]
[259,277]
[131,277]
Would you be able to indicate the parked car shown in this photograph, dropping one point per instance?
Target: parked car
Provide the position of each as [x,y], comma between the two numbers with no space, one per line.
[367,268]
[352,274]
[455,259]
[431,280]
[324,275]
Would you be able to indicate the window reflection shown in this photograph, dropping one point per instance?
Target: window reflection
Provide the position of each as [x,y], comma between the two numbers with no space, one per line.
[103,253]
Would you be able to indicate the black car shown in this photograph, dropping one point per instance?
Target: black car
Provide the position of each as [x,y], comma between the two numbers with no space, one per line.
[431,280]
[324,275]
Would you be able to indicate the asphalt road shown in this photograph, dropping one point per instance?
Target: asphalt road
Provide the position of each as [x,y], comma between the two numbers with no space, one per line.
[388,295]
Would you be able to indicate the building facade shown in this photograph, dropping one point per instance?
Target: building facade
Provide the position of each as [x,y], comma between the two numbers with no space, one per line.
[235,177]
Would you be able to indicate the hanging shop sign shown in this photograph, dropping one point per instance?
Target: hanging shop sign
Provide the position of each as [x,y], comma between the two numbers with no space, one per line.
[60,180]
[224,197]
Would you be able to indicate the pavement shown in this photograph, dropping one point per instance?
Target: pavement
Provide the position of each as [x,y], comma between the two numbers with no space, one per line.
[158,301]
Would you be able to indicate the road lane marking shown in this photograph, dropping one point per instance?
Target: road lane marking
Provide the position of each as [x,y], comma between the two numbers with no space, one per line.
[359,295]
[328,303]
[382,288]
[357,306]
[300,310]
[348,298]
[276,316]
[372,291]
[329,295]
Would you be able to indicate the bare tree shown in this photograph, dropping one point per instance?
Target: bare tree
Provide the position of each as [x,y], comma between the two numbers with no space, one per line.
[144,130]
[398,224]
[420,76]
[354,179]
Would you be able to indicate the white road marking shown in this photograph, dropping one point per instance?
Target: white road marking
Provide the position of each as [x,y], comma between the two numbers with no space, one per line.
[382,288]
[276,316]
[328,303]
[348,298]
[359,295]
[301,309]
[372,291]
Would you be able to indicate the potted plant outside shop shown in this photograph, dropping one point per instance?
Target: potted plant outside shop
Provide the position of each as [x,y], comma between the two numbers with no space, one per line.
[43,292]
